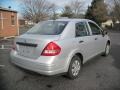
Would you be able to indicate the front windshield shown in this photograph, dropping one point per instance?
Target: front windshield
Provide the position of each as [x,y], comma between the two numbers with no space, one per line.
[48,28]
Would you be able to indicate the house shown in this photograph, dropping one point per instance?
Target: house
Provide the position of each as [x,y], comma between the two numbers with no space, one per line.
[29,22]
[108,23]
[117,22]
[8,23]
[22,22]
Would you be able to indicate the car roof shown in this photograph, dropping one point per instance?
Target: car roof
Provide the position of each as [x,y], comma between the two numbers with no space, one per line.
[73,20]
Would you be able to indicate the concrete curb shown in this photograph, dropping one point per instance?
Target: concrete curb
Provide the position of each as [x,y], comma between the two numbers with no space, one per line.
[5,46]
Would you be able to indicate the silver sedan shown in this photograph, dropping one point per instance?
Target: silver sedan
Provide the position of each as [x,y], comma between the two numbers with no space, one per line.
[60,46]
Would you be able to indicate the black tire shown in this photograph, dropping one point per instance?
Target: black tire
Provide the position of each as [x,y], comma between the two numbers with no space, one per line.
[106,53]
[70,73]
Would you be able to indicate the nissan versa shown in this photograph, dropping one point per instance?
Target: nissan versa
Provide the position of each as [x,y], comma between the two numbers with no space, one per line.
[60,46]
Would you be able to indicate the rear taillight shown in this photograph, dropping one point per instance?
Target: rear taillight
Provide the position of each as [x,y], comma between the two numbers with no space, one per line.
[51,49]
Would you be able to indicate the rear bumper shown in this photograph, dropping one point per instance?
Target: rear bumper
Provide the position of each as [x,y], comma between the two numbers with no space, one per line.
[35,65]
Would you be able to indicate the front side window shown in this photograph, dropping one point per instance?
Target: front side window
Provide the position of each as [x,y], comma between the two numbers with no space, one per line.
[95,29]
[48,28]
[81,29]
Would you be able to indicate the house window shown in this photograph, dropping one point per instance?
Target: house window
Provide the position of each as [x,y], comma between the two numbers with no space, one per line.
[12,20]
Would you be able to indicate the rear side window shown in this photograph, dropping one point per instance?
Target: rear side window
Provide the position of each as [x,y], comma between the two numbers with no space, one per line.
[48,28]
[95,29]
[81,29]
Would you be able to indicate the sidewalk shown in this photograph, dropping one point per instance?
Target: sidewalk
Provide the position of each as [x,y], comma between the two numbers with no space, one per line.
[6,43]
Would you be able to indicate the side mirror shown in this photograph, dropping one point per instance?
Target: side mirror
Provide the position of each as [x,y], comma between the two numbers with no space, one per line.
[104,33]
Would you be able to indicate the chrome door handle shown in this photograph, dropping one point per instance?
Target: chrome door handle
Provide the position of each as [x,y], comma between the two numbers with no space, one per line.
[81,41]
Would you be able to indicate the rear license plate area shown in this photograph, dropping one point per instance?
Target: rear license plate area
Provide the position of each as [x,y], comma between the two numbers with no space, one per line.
[26,51]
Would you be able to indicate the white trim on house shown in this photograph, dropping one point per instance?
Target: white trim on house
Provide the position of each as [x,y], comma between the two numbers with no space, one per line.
[1,20]
[8,37]
[107,23]
[18,31]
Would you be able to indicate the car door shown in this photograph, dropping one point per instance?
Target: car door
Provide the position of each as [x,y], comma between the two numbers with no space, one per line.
[99,39]
[84,42]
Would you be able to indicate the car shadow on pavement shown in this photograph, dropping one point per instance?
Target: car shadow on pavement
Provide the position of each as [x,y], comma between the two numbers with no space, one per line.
[45,82]
[30,74]
[41,82]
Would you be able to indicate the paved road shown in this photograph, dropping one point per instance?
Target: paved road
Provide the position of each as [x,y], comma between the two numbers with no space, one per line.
[101,73]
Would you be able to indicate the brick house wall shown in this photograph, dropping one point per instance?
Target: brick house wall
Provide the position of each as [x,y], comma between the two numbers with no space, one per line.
[8,23]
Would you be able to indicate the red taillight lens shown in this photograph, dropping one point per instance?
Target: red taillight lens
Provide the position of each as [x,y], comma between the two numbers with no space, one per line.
[51,49]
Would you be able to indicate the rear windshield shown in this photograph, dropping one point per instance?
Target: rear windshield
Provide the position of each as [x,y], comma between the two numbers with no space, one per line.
[48,28]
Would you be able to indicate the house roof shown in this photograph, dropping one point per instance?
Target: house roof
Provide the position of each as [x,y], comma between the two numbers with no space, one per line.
[6,9]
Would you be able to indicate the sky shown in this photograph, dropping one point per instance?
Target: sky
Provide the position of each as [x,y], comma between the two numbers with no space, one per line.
[16,4]
[13,3]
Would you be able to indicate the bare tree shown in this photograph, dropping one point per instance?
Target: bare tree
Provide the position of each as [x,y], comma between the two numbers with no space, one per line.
[73,9]
[67,12]
[36,10]
[77,7]
[54,12]
[116,9]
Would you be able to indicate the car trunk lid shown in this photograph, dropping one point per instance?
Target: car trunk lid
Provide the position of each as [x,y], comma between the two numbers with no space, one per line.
[31,46]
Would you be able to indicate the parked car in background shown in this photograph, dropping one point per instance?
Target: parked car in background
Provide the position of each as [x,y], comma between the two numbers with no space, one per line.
[60,46]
